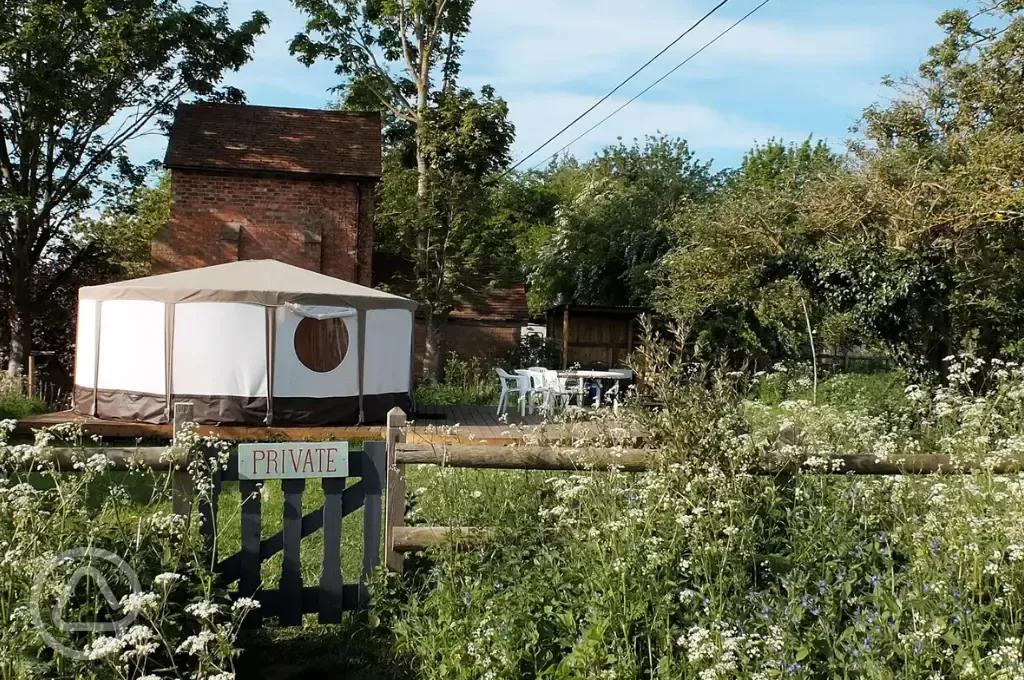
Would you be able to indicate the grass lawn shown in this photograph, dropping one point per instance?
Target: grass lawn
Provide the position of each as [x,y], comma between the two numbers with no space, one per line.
[312,551]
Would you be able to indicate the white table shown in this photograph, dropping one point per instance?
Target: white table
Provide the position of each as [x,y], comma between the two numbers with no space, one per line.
[596,375]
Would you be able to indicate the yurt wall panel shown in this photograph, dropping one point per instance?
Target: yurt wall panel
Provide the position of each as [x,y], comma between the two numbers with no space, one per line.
[293,378]
[388,355]
[220,349]
[132,347]
[85,344]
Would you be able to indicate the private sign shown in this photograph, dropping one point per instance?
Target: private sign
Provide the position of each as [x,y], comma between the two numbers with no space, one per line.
[293,460]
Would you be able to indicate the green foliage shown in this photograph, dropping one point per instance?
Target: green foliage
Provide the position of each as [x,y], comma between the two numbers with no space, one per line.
[126,232]
[738,277]
[14,403]
[81,80]
[184,624]
[456,227]
[608,230]
[696,570]
[911,242]
[466,381]
[403,59]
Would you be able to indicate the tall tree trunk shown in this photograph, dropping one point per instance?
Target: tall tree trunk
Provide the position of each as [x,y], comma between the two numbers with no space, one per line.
[433,323]
[19,321]
[433,348]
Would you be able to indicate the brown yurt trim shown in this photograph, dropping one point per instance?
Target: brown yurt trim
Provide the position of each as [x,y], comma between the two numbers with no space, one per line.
[94,400]
[120,405]
[168,360]
[268,418]
[361,342]
[212,410]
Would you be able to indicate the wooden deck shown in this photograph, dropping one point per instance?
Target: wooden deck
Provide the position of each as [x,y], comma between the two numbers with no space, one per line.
[429,425]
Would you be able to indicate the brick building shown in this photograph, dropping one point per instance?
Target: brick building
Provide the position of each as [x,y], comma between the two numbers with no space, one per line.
[486,323]
[255,182]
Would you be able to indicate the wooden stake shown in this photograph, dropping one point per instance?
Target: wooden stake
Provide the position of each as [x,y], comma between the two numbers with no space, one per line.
[395,511]
[181,482]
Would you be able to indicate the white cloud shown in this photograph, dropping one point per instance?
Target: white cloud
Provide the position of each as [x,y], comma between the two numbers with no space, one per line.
[798,66]
[567,42]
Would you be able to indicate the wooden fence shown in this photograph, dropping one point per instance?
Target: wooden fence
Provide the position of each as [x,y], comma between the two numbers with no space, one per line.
[400,539]
[292,598]
[380,469]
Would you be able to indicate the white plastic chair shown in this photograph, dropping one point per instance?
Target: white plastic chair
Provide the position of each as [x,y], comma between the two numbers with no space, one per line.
[509,384]
[557,389]
[536,386]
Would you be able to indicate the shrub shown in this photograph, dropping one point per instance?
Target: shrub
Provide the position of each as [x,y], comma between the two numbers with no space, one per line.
[466,381]
[702,570]
[13,401]
[185,626]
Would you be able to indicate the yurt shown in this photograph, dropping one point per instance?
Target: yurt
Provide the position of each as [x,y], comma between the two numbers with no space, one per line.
[253,342]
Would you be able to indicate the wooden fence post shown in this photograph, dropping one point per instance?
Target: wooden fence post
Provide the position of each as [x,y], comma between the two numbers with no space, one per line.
[31,376]
[181,481]
[395,512]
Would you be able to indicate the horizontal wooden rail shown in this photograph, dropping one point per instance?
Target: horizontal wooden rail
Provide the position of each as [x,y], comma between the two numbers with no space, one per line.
[640,460]
[121,458]
[526,457]
[412,539]
[918,464]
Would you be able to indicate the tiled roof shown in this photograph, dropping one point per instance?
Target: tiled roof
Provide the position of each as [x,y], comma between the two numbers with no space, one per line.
[275,139]
[504,300]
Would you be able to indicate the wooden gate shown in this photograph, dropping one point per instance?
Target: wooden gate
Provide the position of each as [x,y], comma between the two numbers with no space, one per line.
[293,598]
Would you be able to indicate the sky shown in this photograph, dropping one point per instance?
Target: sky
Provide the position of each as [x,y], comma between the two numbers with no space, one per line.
[794,69]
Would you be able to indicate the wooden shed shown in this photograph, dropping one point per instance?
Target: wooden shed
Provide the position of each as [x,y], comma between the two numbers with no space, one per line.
[594,336]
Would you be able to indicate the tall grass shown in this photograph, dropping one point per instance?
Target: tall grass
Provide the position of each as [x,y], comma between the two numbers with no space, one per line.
[14,403]
[466,381]
[701,570]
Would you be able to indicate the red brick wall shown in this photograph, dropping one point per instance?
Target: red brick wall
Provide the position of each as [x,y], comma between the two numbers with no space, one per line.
[325,225]
[483,339]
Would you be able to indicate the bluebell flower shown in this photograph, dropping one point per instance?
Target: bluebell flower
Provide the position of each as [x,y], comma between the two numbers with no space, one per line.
[875,580]
[793,668]
[467,597]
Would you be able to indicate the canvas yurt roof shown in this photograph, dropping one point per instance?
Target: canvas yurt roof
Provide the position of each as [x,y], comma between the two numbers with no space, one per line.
[263,282]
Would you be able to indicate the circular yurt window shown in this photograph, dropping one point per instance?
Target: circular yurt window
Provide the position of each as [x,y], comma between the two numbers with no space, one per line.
[321,344]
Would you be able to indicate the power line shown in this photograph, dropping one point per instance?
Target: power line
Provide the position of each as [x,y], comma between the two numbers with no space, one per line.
[652,85]
[615,89]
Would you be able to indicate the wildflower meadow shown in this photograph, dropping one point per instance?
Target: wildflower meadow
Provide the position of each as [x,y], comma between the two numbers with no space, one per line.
[749,553]
[705,570]
[173,624]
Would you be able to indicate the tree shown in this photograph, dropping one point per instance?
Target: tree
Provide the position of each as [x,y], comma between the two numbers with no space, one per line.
[741,272]
[80,80]
[934,213]
[608,232]
[124,234]
[913,241]
[404,57]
